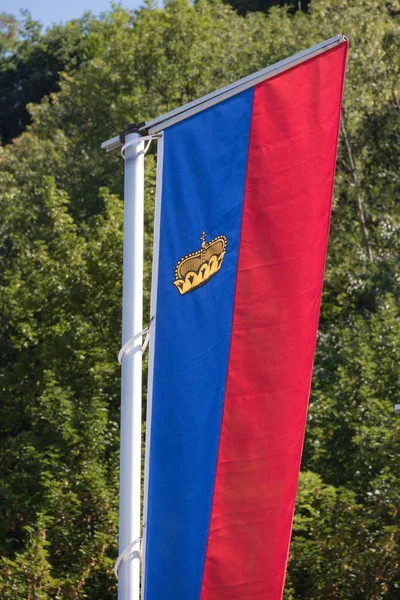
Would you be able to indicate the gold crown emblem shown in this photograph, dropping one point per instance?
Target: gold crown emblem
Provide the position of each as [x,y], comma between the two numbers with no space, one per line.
[197,268]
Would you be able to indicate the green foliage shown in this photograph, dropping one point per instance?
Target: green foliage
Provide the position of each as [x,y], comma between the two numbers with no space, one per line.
[29,576]
[31,63]
[245,6]
[335,537]
[60,289]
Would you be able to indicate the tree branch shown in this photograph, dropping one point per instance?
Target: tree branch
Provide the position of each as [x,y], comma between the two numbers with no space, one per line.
[359,198]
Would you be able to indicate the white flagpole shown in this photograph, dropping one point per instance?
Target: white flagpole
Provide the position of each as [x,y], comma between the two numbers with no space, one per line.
[131,387]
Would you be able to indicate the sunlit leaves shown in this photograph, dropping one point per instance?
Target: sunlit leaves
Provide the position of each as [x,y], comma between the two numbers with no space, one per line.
[60,298]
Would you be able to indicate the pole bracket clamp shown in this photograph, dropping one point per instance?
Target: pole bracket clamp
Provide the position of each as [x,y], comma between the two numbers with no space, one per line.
[133,128]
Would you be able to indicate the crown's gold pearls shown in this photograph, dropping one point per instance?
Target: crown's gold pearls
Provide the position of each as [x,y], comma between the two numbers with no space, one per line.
[197,268]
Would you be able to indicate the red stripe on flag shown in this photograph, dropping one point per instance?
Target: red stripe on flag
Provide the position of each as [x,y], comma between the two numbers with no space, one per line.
[289,187]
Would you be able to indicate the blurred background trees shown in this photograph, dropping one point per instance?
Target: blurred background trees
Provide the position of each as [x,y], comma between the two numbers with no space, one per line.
[64,91]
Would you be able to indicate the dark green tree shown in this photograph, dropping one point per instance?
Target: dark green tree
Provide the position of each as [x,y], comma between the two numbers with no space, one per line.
[31,63]
[60,289]
[245,6]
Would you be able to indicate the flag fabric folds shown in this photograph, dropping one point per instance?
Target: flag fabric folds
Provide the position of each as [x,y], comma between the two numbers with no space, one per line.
[246,197]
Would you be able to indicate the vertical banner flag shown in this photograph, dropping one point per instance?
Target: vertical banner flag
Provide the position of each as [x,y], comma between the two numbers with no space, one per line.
[246,197]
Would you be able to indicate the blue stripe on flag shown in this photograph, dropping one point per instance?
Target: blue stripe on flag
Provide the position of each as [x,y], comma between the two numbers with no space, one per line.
[204,175]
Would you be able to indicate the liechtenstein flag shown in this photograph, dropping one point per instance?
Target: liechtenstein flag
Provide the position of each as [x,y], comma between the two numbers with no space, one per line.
[245,188]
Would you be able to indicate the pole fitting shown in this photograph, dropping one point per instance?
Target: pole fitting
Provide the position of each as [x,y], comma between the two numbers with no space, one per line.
[133,128]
